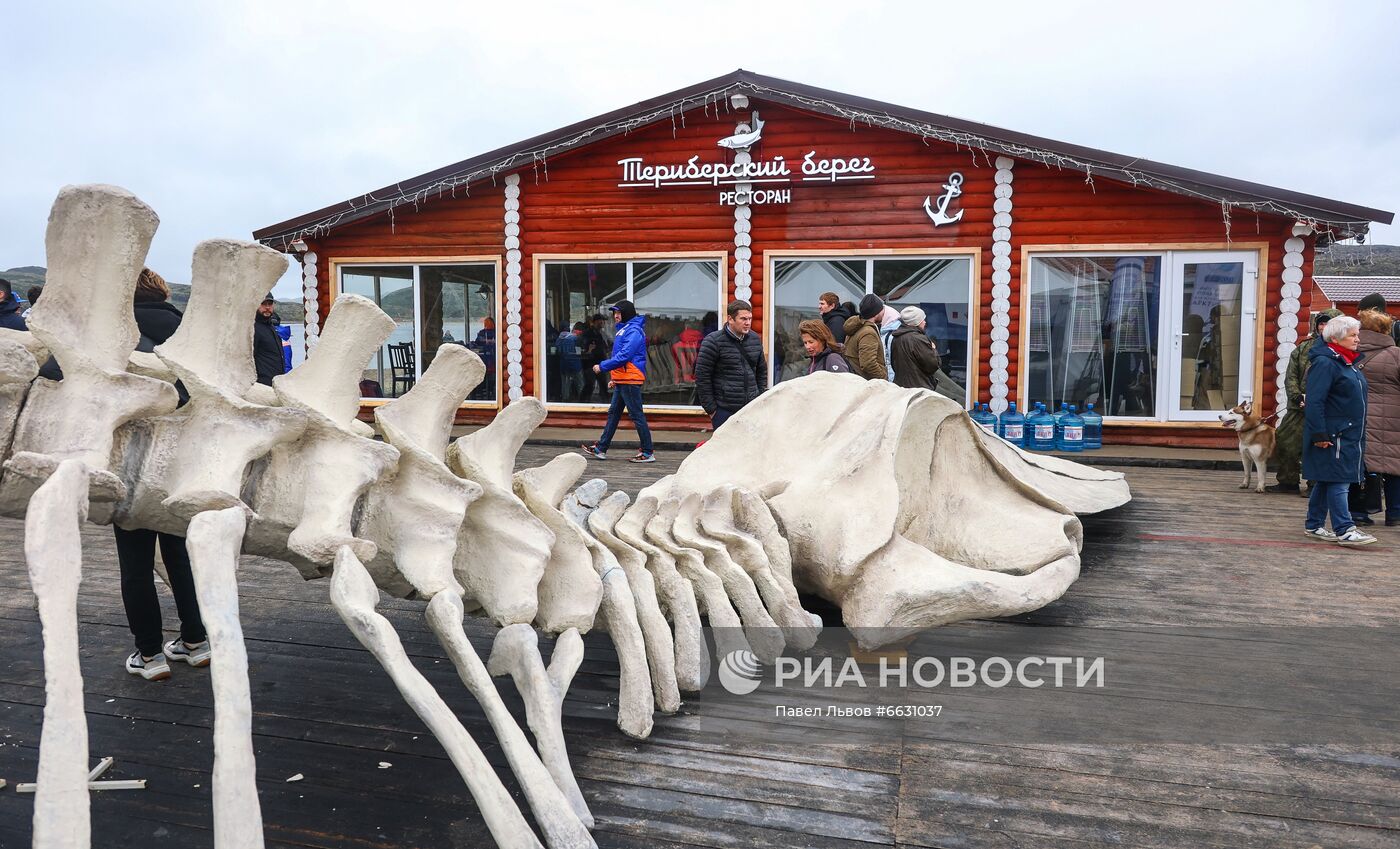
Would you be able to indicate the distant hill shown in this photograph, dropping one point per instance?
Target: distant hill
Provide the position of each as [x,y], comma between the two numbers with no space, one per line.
[292,312]
[1359,261]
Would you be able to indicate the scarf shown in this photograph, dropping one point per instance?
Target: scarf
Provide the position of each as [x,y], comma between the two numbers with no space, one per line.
[1347,355]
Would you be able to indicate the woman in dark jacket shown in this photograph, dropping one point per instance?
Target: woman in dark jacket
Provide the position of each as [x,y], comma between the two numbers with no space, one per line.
[912,355]
[823,350]
[1334,419]
[1382,369]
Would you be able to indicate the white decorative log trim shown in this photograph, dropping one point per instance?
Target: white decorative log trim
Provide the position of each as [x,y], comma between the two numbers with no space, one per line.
[1001,286]
[743,213]
[310,299]
[1289,307]
[514,358]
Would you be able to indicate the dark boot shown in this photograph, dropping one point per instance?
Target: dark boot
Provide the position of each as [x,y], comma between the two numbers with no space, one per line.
[1289,488]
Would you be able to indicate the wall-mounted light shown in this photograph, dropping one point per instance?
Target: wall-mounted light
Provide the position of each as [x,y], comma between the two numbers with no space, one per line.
[299,246]
[739,101]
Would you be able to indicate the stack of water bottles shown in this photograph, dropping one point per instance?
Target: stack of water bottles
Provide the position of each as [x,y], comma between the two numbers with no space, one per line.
[1064,430]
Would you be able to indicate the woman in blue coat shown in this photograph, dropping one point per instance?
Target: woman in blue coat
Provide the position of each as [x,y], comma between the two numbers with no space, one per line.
[1334,417]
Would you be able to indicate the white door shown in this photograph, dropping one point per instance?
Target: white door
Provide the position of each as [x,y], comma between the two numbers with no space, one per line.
[1211,316]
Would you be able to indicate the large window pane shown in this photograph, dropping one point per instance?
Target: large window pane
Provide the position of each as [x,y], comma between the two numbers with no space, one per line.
[390,372]
[1211,309]
[457,306]
[680,301]
[1092,333]
[941,288]
[797,286]
[573,294]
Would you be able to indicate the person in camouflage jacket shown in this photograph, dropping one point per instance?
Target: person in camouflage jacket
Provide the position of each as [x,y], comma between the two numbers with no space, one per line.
[1289,450]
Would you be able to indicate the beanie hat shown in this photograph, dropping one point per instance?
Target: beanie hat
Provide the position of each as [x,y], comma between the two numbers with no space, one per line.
[1321,318]
[871,306]
[911,316]
[1374,301]
[628,311]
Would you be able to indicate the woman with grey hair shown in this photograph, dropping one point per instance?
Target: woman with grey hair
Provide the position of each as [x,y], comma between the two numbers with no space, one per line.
[1334,419]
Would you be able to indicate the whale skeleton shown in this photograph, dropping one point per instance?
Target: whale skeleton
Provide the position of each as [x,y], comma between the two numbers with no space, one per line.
[289,472]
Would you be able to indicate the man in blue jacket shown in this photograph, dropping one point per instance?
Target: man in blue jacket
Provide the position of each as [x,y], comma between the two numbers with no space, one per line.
[628,371]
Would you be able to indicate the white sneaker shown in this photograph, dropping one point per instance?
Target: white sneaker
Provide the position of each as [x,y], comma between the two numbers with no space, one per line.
[1355,536]
[1320,534]
[151,668]
[195,655]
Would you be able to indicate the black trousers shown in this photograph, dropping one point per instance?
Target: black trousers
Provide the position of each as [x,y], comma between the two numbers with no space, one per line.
[593,381]
[136,554]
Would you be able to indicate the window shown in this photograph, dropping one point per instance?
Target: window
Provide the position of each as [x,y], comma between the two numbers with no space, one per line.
[940,285]
[1092,333]
[681,300]
[431,305]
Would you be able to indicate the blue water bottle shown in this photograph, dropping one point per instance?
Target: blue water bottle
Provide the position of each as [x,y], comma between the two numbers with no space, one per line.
[1042,431]
[1060,414]
[986,419]
[1071,432]
[1093,428]
[1013,425]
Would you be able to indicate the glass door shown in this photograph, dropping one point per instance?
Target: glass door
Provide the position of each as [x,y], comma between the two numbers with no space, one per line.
[1211,357]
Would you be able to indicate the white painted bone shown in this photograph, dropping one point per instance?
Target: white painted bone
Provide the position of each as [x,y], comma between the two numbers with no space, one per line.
[355,597]
[214,540]
[96,241]
[759,628]
[516,652]
[419,513]
[660,645]
[53,548]
[617,614]
[500,571]
[557,818]
[675,593]
[570,590]
[724,509]
[220,433]
[710,598]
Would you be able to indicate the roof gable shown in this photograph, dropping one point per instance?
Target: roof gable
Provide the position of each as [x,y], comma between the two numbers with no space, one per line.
[1342,219]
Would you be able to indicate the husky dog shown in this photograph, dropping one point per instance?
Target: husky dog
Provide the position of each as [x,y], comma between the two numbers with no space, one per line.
[1256,441]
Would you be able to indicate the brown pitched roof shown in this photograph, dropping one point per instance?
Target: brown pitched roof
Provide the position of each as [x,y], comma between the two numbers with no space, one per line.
[1344,219]
[1346,290]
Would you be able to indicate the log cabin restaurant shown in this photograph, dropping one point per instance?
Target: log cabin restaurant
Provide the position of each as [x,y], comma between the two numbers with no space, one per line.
[1049,271]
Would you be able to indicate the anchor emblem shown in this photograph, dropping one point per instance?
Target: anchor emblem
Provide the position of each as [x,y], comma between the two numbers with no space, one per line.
[951,189]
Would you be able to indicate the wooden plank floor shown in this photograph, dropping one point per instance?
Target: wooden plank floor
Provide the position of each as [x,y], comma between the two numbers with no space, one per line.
[1191,550]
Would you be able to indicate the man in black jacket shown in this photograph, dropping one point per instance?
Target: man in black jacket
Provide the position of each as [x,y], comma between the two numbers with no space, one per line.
[730,370]
[267,345]
[10,308]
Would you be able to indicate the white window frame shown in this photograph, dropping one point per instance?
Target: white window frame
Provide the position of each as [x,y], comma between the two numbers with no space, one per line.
[542,262]
[974,306]
[1169,259]
[339,267]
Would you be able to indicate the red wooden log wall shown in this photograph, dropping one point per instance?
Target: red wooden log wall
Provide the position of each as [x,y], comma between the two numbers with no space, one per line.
[571,204]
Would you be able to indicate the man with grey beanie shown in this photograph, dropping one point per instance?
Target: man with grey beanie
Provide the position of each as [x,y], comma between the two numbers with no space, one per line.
[1376,301]
[912,354]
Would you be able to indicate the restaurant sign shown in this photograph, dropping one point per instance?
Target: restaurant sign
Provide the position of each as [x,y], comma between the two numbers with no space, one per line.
[766,180]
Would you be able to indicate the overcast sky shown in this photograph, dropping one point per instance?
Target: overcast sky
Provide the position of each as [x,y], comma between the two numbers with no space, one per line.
[229,116]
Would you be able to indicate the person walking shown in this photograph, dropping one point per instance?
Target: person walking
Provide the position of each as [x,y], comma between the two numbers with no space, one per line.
[1335,422]
[823,351]
[912,354]
[627,369]
[730,370]
[863,349]
[834,313]
[1382,370]
[1289,436]
[268,361]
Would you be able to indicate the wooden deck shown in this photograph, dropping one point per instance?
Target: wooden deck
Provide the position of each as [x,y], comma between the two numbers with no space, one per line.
[1189,550]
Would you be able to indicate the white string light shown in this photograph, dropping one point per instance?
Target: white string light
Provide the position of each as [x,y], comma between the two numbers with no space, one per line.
[538,158]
